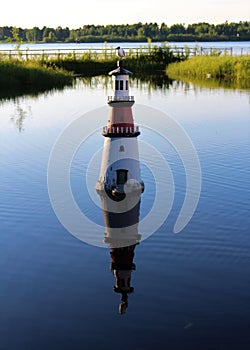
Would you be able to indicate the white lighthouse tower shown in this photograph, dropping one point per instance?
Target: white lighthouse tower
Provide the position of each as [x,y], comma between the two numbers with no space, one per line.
[120,169]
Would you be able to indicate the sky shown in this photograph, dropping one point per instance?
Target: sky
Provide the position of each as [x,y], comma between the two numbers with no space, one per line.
[75,14]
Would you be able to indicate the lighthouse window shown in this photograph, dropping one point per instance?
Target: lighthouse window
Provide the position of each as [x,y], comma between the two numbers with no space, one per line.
[122,176]
[117,84]
[121,148]
[126,84]
[121,84]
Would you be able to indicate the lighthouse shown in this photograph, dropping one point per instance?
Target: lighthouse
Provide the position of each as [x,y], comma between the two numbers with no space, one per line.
[120,175]
[120,169]
[120,185]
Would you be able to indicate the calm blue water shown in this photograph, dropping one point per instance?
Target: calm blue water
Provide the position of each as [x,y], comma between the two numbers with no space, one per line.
[192,289]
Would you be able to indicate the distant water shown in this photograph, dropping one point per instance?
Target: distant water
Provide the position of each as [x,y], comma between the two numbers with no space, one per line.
[192,289]
[238,47]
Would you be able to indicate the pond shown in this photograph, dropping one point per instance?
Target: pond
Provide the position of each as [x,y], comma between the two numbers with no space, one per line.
[191,288]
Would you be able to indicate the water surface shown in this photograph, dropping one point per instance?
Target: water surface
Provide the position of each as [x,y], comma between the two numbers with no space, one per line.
[191,289]
[238,47]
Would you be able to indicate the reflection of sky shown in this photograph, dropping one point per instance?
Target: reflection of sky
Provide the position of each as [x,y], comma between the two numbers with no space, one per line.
[54,110]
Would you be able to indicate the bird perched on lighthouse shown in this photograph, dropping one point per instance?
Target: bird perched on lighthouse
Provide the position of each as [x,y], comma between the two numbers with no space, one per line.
[120,52]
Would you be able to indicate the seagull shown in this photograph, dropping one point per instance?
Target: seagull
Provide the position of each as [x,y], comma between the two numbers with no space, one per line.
[120,52]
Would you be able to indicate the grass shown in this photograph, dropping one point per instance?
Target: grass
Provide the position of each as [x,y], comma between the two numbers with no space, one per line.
[15,73]
[82,66]
[137,60]
[201,68]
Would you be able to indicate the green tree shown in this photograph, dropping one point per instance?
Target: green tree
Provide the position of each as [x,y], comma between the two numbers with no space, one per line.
[177,29]
[15,35]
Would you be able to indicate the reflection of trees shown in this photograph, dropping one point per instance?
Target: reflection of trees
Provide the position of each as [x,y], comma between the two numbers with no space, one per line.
[20,115]
[31,91]
[101,81]
[153,81]
[210,83]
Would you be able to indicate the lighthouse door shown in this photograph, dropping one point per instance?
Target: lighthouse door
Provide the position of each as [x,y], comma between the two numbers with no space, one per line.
[122,176]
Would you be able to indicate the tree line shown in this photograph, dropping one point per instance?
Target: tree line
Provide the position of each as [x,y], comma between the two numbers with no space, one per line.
[130,32]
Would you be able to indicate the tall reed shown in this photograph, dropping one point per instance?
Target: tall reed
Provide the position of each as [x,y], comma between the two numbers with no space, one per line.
[16,73]
[218,67]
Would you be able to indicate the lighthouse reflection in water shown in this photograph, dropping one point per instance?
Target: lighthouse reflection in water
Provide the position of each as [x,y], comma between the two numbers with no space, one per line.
[120,185]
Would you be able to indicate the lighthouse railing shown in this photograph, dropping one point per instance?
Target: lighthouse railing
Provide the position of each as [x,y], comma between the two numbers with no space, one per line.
[121,98]
[120,130]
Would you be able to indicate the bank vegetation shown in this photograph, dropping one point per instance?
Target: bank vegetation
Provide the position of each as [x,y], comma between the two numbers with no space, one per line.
[204,68]
[56,71]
